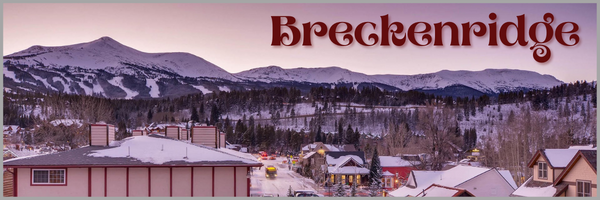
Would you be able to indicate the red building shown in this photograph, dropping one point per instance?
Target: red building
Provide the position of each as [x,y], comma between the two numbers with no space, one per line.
[396,169]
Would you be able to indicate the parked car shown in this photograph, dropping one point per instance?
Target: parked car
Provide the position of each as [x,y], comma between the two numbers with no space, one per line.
[272,158]
[305,193]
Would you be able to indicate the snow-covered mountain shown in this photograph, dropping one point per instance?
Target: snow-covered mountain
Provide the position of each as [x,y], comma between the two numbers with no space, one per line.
[486,81]
[107,68]
[112,56]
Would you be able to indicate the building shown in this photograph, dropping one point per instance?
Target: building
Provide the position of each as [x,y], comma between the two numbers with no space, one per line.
[561,172]
[319,146]
[397,168]
[143,166]
[478,181]
[346,167]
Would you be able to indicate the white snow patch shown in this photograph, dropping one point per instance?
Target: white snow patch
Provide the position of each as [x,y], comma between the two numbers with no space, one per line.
[11,74]
[161,150]
[224,89]
[118,81]
[547,191]
[154,92]
[202,88]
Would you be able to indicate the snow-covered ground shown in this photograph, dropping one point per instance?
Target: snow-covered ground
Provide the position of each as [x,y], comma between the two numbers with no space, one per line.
[280,185]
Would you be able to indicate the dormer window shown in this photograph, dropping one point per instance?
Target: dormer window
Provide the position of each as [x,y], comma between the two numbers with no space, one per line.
[542,170]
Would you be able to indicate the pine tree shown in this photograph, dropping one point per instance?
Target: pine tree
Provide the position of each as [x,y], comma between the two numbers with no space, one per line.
[375,174]
[195,116]
[290,193]
[339,190]
[353,190]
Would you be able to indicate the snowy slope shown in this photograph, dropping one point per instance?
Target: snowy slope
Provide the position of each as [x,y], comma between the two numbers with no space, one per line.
[488,80]
[312,75]
[105,53]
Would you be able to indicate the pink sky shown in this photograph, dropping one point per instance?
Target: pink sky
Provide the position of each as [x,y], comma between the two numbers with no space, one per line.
[237,37]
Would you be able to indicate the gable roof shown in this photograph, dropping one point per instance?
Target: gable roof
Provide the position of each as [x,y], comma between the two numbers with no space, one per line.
[435,190]
[450,178]
[331,156]
[395,161]
[150,150]
[533,188]
[588,155]
[556,158]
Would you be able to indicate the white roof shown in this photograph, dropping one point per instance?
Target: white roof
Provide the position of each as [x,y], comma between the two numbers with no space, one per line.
[162,150]
[547,191]
[335,161]
[239,154]
[584,147]
[450,178]
[436,191]
[506,174]
[560,157]
[393,161]
[330,147]
[67,122]
[348,170]
[308,155]
[387,173]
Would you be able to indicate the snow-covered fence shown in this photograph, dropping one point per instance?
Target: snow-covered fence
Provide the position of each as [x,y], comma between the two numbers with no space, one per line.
[101,134]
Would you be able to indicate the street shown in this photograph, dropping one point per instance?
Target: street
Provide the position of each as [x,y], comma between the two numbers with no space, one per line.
[280,185]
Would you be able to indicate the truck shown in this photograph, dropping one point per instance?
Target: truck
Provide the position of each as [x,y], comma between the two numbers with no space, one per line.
[270,172]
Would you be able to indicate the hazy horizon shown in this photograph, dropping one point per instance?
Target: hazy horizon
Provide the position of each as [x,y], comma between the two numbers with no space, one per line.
[236,37]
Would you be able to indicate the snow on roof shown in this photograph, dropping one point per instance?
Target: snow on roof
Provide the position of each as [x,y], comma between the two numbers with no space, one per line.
[161,150]
[394,161]
[335,161]
[330,147]
[348,170]
[584,147]
[239,154]
[308,155]
[547,191]
[67,122]
[560,157]
[506,174]
[387,173]
[438,191]
[450,178]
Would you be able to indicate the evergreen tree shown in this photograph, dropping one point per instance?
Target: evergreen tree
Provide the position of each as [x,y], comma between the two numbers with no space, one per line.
[339,190]
[353,190]
[214,114]
[195,116]
[150,115]
[375,174]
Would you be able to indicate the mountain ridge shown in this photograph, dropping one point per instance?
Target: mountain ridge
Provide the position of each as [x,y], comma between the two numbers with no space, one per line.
[108,68]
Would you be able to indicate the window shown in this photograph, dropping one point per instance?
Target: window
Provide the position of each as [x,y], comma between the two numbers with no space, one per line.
[542,170]
[584,188]
[332,178]
[358,179]
[48,176]
[351,179]
[343,179]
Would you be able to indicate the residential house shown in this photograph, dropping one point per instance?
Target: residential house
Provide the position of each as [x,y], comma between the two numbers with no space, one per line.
[478,181]
[561,172]
[346,167]
[143,166]
[396,169]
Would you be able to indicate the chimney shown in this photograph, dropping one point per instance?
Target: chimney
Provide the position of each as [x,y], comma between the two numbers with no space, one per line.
[101,134]
[183,134]
[205,135]
[222,140]
[172,132]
